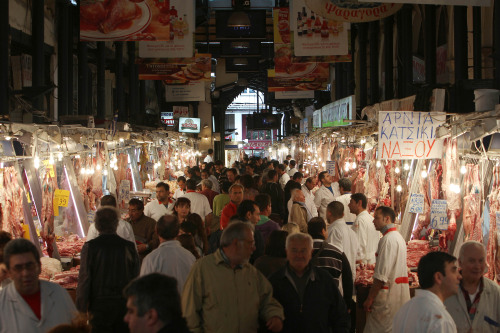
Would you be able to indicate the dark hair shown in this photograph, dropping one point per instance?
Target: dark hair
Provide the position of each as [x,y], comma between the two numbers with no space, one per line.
[357,197]
[187,242]
[108,200]
[271,174]
[245,207]
[5,237]
[225,186]
[430,264]
[156,291]
[106,219]
[167,227]
[345,184]
[196,168]
[292,163]
[136,202]
[387,211]
[246,181]
[297,175]
[282,167]
[210,151]
[275,245]
[315,227]
[219,162]
[263,200]
[191,184]
[181,202]
[336,208]
[275,163]
[285,162]
[181,178]
[165,186]
[198,222]
[19,246]
[251,165]
[233,171]
[188,227]
[309,180]
[321,175]
[294,185]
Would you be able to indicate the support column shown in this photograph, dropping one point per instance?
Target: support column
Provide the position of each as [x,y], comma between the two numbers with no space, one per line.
[142,103]
[363,68]
[460,41]
[120,95]
[374,81]
[405,69]
[101,80]
[62,57]
[73,15]
[4,58]
[351,80]
[83,79]
[477,44]
[37,37]
[338,81]
[133,82]
[430,43]
[388,58]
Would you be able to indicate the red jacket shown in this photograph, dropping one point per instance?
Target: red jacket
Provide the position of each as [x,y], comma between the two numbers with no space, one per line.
[226,214]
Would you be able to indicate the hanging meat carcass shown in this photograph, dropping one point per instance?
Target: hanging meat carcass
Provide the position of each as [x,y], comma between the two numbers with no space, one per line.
[424,219]
[492,258]
[11,201]
[472,204]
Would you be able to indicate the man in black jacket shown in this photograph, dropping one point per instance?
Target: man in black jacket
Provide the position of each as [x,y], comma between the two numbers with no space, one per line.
[310,298]
[108,264]
[276,193]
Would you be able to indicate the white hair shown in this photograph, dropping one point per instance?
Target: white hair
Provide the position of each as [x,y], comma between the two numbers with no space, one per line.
[467,245]
[294,193]
[298,236]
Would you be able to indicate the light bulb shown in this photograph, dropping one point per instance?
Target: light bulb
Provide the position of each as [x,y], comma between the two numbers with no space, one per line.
[8,138]
[323,164]
[463,169]
[105,172]
[378,164]
[363,141]
[77,156]
[457,189]
[353,165]
[423,174]
[115,168]
[98,167]
[397,170]
[342,140]
[92,171]
[51,159]
[399,188]
[59,156]
[406,166]
[82,171]
[36,162]
[121,140]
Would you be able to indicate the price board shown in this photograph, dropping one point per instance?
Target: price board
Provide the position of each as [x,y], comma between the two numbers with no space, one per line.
[61,199]
[439,216]
[330,167]
[416,204]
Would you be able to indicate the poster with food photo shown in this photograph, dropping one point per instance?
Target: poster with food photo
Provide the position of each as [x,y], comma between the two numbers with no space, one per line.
[176,70]
[137,20]
[317,35]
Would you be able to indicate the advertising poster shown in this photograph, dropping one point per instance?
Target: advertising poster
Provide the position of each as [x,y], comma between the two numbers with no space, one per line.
[189,125]
[353,12]
[333,114]
[314,34]
[483,3]
[409,135]
[191,92]
[138,20]
[176,71]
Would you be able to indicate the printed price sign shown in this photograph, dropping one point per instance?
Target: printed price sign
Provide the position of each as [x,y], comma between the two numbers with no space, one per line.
[330,167]
[439,217]
[416,203]
[61,199]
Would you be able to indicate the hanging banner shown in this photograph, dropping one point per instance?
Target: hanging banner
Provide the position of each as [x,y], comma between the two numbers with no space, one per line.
[317,118]
[294,94]
[333,114]
[314,34]
[176,71]
[133,20]
[350,11]
[409,135]
[192,92]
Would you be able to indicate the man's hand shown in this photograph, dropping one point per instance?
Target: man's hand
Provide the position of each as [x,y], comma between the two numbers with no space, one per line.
[275,324]
[142,248]
[367,305]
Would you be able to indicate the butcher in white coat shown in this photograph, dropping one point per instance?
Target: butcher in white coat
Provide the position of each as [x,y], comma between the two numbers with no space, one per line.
[341,235]
[345,185]
[162,205]
[390,289]
[439,279]
[368,236]
[326,193]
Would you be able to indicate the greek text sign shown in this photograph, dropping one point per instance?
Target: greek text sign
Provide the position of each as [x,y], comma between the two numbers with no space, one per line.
[409,135]
[439,218]
[416,204]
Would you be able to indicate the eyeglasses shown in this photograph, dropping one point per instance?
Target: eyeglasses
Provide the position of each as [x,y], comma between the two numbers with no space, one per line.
[30,266]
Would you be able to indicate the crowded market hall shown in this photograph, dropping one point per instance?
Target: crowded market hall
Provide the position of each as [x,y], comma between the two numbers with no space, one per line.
[301,166]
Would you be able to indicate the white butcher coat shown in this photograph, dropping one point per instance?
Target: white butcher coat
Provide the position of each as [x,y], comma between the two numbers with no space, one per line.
[487,318]
[425,313]
[154,209]
[342,237]
[323,197]
[199,204]
[368,237]
[345,199]
[392,270]
[283,180]
[17,316]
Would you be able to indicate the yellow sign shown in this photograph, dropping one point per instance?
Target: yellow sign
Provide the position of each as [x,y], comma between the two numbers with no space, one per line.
[61,199]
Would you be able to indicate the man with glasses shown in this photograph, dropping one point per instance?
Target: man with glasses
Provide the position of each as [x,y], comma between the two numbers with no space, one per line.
[144,228]
[29,304]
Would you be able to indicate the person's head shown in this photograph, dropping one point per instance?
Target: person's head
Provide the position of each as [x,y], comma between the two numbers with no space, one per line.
[108,200]
[190,173]
[250,169]
[292,164]
[167,227]
[325,178]
[196,171]
[152,302]
[275,164]
[297,177]
[238,242]
[181,182]
[162,191]
[247,181]
[23,264]
[204,174]
[285,163]
[275,245]
[249,211]
[358,203]
[334,211]
[310,183]
[264,203]
[210,151]
[288,157]
[291,228]
[236,193]
[219,165]
[316,227]
[5,237]
[345,185]
[191,184]
[299,248]
[106,220]
[198,222]
[206,184]
[281,169]
[438,271]
[472,261]
[187,242]
[225,187]
[298,195]
[383,216]
[272,176]
[182,207]
[135,209]
[257,181]
[231,175]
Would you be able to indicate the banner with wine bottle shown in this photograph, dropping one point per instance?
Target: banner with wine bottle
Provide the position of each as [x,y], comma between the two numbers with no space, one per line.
[317,35]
